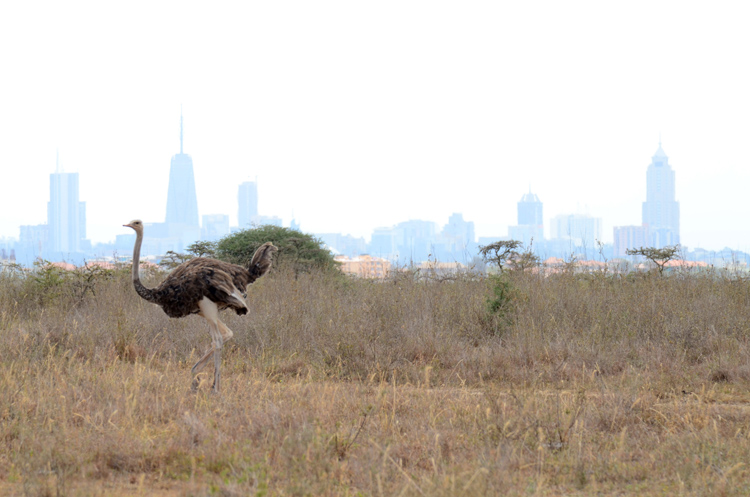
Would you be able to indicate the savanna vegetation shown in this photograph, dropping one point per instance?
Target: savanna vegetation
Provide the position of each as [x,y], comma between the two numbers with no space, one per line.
[514,384]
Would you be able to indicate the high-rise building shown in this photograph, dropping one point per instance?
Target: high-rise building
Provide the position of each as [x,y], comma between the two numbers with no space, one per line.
[343,244]
[247,199]
[458,228]
[661,212]
[530,220]
[629,237]
[182,202]
[530,210]
[33,242]
[215,226]
[383,243]
[415,240]
[457,241]
[66,215]
[581,229]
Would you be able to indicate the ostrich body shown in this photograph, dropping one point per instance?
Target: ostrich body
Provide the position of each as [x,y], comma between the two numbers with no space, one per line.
[203,286]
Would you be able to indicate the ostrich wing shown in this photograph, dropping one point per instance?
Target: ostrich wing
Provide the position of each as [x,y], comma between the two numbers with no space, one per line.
[180,293]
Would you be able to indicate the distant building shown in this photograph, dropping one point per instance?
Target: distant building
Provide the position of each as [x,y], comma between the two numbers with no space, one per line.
[181,227]
[460,229]
[383,243]
[582,230]
[343,244]
[7,247]
[66,215]
[414,240]
[160,238]
[457,241]
[182,202]
[215,226]
[364,266]
[247,200]
[530,221]
[530,210]
[661,212]
[629,237]
[33,242]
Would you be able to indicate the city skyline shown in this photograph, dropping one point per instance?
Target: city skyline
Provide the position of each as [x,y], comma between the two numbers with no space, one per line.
[458,109]
[412,241]
[660,222]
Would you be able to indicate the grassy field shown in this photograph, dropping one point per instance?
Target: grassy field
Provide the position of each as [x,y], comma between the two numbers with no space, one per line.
[514,385]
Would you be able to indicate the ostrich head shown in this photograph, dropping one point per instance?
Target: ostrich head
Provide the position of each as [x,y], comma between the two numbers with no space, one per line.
[136,224]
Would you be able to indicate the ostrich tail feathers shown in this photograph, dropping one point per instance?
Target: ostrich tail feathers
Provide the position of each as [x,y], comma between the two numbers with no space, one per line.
[262,259]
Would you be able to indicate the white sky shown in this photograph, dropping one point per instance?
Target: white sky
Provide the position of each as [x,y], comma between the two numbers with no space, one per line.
[355,114]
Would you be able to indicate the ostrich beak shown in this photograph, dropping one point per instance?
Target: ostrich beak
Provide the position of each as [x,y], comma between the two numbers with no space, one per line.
[128,225]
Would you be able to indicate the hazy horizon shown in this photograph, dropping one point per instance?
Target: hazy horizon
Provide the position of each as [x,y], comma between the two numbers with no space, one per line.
[357,116]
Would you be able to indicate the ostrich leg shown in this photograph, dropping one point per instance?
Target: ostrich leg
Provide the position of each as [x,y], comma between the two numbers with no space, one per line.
[226,335]
[210,313]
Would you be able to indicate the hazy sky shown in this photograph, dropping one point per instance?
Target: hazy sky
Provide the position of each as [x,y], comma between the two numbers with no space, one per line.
[355,115]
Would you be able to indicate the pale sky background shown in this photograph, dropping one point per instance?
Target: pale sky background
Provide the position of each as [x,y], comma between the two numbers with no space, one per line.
[355,115]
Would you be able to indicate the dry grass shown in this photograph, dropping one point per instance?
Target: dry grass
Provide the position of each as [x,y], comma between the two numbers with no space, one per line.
[588,385]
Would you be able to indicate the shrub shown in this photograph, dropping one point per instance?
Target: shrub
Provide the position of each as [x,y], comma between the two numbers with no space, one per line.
[300,250]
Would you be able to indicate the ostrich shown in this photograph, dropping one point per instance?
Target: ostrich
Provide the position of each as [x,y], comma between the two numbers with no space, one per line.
[203,286]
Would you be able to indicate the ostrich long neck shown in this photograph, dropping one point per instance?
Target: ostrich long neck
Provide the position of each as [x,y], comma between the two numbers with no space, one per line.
[141,290]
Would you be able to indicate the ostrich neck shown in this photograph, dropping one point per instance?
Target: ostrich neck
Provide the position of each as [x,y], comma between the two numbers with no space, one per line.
[144,292]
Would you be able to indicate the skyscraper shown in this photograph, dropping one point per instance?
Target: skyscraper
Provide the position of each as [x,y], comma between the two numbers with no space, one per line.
[661,212]
[530,220]
[182,202]
[581,229]
[530,210]
[460,229]
[66,215]
[215,226]
[247,199]
[629,237]
[457,241]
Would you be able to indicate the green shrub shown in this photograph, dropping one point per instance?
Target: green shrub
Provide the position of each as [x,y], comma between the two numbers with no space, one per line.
[300,250]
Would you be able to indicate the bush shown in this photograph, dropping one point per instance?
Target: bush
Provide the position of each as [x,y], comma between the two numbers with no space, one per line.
[300,250]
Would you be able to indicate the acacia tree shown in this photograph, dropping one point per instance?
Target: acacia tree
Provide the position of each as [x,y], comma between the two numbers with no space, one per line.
[500,253]
[172,259]
[522,261]
[202,248]
[659,256]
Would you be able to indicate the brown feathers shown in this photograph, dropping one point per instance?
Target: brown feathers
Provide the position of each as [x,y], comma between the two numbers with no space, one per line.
[223,283]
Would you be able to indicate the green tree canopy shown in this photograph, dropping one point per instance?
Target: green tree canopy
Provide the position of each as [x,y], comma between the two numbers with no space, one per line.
[301,250]
[202,248]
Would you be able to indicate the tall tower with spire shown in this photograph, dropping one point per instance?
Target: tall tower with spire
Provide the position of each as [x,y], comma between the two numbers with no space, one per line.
[661,212]
[182,202]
